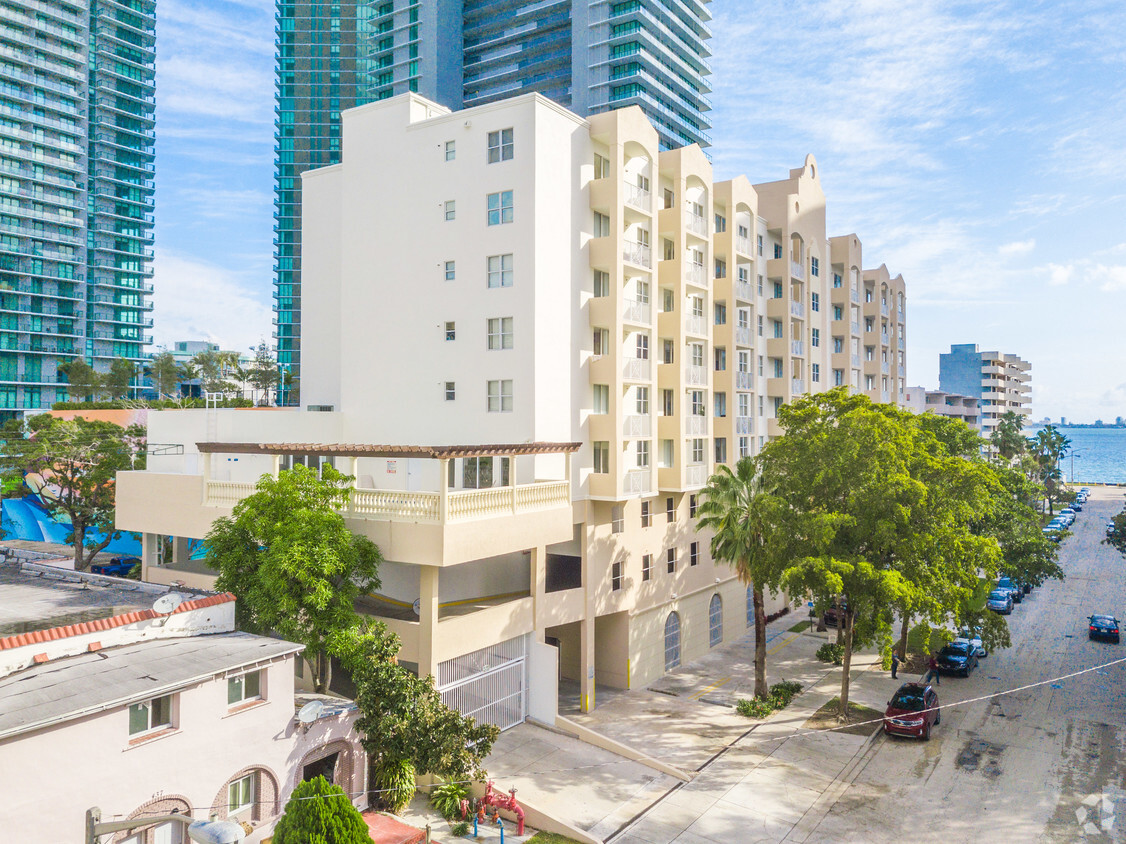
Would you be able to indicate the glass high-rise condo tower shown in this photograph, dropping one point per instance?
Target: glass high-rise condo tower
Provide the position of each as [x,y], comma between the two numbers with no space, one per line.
[588,55]
[76,186]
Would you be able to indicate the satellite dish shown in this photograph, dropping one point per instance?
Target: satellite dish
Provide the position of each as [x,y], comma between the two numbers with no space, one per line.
[310,712]
[417,606]
[167,603]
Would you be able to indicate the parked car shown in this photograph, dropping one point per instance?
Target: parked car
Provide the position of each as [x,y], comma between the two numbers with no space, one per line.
[1069,514]
[1016,591]
[972,636]
[913,711]
[957,658]
[1110,529]
[1000,600]
[1052,533]
[1103,627]
[834,611]
[117,566]
[1076,505]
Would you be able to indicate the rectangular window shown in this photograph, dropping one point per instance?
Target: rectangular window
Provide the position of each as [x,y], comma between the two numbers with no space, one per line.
[451,270]
[601,225]
[601,399]
[670,510]
[450,209]
[815,337]
[777,250]
[838,378]
[601,284]
[451,331]
[814,267]
[451,150]
[698,450]
[601,166]
[837,280]
[500,146]
[720,449]
[666,402]
[760,325]
[451,391]
[694,554]
[696,353]
[665,458]
[642,403]
[646,567]
[601,342]
[499,208]
[720,355]
[838,345]
[244,687]
[500,271]
[616,577]
[720,401]
[668,301]
[815,301]
[155,714]
[672,560]
[744,447]
[240,795]
[720,224]
[601,457]
[617,518]
[643,347]
[499,333]
[838,312]
[720,310]
[500,396]
[646,517]
[692,504]
[759,244]
[670,198]
[642,454]
[696,403]
[815,374]
[667,353]
[720,268]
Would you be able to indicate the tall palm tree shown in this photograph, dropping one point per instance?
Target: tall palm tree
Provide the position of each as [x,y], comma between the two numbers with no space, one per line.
[736,508]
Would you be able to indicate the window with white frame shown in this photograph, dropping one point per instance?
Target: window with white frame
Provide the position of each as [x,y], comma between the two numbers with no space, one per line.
[646,567]
[601,284]
[743,360]
[617,518]
[744,401]
[451,150]
[500,146]
[601,224]
[760,326]
[838,345]
[720,309]
[601,450]
[450,209]
[616,576]
[760,364]
[815,301]
[665,457]
[643,347]
[451,270]
[696,305]
[744,273]
[500,396]
[150,715]
[692,502]
[499,270]
[698,450]
[759,239]
[743,318]
[720,402]
[601,166]
[671,557]
[670,510]
[240,795]
[642,401]
[643,292]
[499,207]
[815,337]
[601,399]
[720,449]
[815,373]
[244,687]
[499,333]
[720,355]
[814,267]
[696,354]
[667,353]
[696,402]
[666,402]
[668,300]
[643,454]
[744,447]
[838,378]
[646,516]
[694,554]
[601,341]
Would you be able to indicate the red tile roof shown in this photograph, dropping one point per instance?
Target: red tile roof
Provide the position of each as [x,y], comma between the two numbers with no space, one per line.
[436,452]
[52,633]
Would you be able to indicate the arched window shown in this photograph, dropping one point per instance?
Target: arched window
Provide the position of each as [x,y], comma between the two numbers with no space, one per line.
[715,621]
[672,641]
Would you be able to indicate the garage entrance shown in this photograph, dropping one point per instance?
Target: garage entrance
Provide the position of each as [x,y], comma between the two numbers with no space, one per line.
[490,684]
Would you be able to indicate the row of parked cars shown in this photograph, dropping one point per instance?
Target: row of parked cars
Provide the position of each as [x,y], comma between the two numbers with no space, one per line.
[1064,519]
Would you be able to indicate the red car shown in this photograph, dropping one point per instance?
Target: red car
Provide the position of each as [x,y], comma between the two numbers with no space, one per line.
[912,711]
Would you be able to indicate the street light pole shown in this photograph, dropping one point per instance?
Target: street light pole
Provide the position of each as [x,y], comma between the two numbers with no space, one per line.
[1073,466]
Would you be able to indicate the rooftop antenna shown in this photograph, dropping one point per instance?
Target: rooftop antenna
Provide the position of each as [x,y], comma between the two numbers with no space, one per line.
[309,713]
[166,604]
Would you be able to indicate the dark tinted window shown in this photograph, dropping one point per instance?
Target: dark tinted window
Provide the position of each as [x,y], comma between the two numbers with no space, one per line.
[912,701]
[956,649]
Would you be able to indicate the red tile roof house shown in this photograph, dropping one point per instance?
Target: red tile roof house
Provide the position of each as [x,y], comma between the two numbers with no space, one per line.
[147,713]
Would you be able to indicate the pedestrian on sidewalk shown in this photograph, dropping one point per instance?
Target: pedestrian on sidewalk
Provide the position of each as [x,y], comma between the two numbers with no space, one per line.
[932,671]
[894,664]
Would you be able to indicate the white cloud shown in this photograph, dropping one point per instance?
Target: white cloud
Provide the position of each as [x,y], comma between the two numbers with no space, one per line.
[195,300]
[1017,247]
[1059,274]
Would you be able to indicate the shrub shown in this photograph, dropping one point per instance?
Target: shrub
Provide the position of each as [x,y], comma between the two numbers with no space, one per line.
[755,707]
[446,798]
[782,693]
[460,829]
[394,780]
[831,652]
[318,811]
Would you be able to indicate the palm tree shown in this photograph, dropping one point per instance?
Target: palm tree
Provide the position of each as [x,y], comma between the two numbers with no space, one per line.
[1049,447]
[735,507]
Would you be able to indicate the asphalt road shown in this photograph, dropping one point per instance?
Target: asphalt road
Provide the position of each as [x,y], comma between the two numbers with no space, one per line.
[1045,764]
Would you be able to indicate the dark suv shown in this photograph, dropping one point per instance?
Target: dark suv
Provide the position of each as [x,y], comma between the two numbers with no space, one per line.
[834,612]
[912,711]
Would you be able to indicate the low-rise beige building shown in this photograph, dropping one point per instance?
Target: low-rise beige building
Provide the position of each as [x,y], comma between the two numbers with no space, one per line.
[963,408]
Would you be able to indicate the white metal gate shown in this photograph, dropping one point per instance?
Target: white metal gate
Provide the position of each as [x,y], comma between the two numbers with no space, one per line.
[490,684]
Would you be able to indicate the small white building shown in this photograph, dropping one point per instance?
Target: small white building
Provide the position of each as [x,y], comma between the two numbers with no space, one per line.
[147,713]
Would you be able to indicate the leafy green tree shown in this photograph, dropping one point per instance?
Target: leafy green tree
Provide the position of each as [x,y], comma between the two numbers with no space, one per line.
[294,566]
[214,371]
[263,372]
[876,509]
[402,717]
[164,373]
[320,813]
[1026,554]
[84,383]
[735,509]
[78,460]
[115,383]
[1007,438]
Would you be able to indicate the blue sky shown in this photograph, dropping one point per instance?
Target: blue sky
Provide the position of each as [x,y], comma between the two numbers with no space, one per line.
[977,148]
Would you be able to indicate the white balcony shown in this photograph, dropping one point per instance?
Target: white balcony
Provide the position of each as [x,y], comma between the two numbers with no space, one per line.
[743,245]
[744,291]
[637,254]
[639,313]
[855,360]
[797,386]
[696,426]
[797,270]
[885,368]
[797,347]
[637,481]
[884,308]
[696,224]
[854,296]
[797,309]
[637,196]
[744,381]
[855,327]
[694,274]
[695,376]
[636,369]
[696,325]
[636,425]
[743,337]
[696,475]
[744,425]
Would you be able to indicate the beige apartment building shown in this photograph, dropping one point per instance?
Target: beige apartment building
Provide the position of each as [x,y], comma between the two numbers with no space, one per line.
[963,408]
[531,338]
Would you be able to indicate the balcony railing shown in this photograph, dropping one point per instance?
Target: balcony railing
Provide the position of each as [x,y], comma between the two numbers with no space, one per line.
[854,296]
[884,308]
[695,376]
[856,360]
[696,325]
[744,425]
[696,475]
[638,312]
[694,274]
[636,426]
[744,291]
[743,336]
[797,347]
[884,368]
[744,381]
[696,426]
[743,244]
[797,270]
[416,506]
[637,480]
[637,196]
[696,224]
[855,327]
[636,253]
[797,309]
[797,386]
[636,369]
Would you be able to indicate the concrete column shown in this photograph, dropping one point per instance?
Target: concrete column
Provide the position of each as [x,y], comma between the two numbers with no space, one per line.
[206,474]
[537,563]
[586,626]
[428,620]
[275,469]
[179,550]
[149,543]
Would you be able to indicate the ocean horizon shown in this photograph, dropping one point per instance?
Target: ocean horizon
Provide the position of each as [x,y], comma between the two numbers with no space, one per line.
[1097,455]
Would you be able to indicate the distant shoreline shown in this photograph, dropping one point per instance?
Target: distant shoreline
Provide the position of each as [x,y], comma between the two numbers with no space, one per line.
[1095,425]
